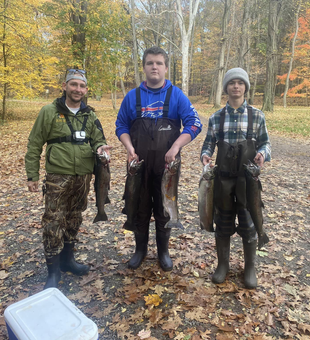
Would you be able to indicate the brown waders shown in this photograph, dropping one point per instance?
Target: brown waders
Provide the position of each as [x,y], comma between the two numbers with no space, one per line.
[152,138]
[65,200]
[230,201]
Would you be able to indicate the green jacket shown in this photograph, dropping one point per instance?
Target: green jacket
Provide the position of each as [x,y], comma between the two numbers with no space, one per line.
[65,158]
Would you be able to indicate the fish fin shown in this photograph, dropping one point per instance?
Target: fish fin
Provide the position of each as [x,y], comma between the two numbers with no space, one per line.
[208,228]
[107,200]
[262,240]
[100,217]
[175,224]
[124,211]
[130,227]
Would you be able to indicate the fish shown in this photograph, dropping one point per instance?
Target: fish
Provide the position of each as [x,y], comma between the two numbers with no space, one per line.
[102,185]
[254,201]
[205,197]
[132,193]
[169,191]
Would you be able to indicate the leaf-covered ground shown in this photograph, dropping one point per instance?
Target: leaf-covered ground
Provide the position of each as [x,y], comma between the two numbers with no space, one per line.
[148,303]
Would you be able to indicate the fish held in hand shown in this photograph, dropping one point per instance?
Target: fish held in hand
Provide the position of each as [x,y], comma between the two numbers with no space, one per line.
[205,197]
[254,201]
[102,185]
[169,191]
[132,193]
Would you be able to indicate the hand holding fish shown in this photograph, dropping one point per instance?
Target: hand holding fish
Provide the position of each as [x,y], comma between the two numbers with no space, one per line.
[170,155]
[104,149]
[259,159]
[206,160]
[176,147]
[33,186]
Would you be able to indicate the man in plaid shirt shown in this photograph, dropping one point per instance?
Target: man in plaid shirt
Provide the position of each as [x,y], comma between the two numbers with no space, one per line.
[240,133]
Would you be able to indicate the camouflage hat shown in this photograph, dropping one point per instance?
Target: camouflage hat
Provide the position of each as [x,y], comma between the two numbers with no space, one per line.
[76,74]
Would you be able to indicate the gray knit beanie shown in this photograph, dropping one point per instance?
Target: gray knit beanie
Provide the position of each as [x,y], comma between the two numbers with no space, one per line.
[236,73]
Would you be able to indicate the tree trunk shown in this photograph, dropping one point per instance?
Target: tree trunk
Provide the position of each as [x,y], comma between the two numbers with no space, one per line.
[186,37]
[134,40]
[218,94]
[4,57]
[272,54]
[292,55]
[243,38]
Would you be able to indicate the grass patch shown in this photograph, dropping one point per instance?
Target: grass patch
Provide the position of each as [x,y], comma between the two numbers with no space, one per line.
[292,121]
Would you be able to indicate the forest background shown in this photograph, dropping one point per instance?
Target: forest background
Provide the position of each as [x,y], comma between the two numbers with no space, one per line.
[41,39]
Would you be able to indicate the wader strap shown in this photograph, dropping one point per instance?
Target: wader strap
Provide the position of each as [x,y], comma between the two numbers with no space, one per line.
[166,103]
[222,119]
[250,123]
[165,107]
[138,102]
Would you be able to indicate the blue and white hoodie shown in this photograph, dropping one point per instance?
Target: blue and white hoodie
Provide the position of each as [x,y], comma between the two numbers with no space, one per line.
[152,107]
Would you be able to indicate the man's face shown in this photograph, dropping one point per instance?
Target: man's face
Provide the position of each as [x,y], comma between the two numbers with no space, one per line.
[155,70]
[236,88]
[75,90]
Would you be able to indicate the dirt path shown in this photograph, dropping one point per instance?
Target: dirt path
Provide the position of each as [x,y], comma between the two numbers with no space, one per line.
[192,306]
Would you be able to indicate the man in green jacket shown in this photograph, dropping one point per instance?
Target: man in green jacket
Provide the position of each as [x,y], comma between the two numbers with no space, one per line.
[73,135]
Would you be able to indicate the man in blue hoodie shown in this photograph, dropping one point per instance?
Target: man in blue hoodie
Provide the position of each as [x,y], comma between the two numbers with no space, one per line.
[148,124]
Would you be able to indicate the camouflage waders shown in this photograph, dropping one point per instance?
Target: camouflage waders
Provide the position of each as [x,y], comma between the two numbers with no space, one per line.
[65,200]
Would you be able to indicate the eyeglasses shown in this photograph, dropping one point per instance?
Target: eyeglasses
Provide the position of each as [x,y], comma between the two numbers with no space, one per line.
[73,70]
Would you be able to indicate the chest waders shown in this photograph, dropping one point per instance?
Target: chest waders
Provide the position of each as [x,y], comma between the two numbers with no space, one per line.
[152,138]
[230,200]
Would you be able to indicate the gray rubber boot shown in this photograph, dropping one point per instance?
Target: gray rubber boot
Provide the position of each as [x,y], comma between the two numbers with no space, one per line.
[250,280]
[54,273]
[141,250]
[162,240]
[68,263]
[223,251]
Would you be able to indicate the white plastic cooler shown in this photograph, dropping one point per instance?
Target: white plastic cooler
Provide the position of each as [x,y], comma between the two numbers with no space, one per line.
[48,315]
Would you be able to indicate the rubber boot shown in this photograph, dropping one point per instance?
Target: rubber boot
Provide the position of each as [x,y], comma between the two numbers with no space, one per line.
[67,261]
[54,273]
[250,280]
[162,240]
[223,250]
[140,252]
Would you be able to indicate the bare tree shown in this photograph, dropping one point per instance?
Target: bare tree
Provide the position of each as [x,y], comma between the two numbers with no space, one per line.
[275,7]
[225,18]
[292,55]
[186,37]
[134,39]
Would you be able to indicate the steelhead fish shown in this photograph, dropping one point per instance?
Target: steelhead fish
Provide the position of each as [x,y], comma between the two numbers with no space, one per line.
[102,185]
[169,192]
[254,201]
[132,193]
[205,197]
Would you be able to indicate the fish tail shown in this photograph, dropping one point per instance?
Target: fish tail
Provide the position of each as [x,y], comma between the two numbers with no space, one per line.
[262,240]
[100,217]
[130,226]
[209,228]
[175,224]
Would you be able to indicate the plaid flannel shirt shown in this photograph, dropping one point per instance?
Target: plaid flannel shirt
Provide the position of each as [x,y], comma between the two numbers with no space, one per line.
[235,130]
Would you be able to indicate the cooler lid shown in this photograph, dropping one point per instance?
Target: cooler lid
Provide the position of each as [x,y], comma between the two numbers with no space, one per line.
[49,315]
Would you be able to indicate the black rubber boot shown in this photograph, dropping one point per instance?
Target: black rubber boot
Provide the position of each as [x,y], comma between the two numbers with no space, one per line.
[141,250]
[67,261]
[54,273]
[250,280]
[223,250]
[162,240]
